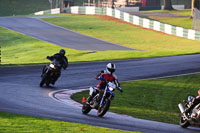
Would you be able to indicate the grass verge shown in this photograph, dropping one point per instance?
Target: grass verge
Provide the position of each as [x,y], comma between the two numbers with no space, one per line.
[20,123]
[21,49]
[155,99]
[185,22]
[181,21]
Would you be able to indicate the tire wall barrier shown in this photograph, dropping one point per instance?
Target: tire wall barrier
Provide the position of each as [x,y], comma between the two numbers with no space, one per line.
[136,20]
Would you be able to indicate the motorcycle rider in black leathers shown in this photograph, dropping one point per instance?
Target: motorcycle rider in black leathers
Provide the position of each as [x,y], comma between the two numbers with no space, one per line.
[63,61]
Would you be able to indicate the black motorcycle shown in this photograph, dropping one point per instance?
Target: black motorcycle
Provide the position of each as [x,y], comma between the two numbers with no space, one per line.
[193,117]
[50,73]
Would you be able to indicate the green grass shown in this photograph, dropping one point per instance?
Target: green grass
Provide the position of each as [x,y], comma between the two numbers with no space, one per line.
[19,123]
[185,22]
[123,34]
[186,12]
[126,35]
[21,49]
[155,99]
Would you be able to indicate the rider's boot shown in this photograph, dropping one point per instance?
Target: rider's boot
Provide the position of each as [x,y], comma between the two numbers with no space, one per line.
[56,76]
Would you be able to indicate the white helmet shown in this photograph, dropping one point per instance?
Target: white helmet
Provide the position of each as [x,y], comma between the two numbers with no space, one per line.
[110,68]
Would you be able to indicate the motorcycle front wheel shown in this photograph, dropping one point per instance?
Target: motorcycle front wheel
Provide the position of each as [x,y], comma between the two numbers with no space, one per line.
[102,110]
[86,108]
[43,80]
[183,123]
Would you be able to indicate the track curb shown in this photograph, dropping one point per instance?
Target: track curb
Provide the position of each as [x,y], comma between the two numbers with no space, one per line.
[64,96]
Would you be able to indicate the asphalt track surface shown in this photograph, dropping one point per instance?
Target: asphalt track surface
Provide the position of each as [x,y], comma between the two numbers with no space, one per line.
[57,35]
[20,92]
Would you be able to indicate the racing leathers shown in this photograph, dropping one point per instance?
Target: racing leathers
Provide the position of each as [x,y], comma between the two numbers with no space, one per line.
[63,61]
[60,58]
[195,101]
[102,84]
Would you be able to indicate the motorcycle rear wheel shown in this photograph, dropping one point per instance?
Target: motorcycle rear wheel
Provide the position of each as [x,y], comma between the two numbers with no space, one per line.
[183,123]
[86,108]
[102,110]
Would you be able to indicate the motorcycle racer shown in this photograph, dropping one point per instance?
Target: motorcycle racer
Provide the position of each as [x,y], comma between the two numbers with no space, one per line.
[63,61]
[107,76]
[195,101]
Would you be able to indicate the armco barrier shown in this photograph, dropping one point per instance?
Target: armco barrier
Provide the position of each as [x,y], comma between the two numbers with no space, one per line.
[52,11]
[136,20]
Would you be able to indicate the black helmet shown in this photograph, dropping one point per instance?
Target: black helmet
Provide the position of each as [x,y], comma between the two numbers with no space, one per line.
[62,52]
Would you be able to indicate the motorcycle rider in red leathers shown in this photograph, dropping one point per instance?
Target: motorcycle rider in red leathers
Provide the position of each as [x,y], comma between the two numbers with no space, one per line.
[109,76]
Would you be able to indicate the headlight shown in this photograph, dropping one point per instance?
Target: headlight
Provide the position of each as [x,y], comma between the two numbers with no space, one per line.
[111,89]
[52,66]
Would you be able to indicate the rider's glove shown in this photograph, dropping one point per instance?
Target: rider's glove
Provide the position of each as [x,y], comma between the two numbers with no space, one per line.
[48,57]
[101,78]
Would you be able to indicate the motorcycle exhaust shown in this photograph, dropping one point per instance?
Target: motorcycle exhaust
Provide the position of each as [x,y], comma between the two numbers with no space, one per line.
[181,108]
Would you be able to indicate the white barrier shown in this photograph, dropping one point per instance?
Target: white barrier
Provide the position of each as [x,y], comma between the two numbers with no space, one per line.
[74,9]
[179,31]
[136,20]
[191,34]
[168,29]
[55,11]
[90,10]
[109,11]
[156,25]
[146,23]
[126,17]
[117,14]
[39,13]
